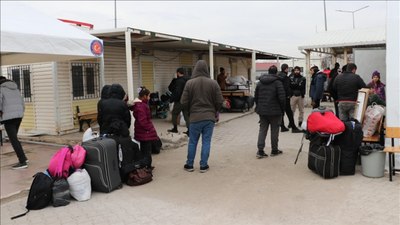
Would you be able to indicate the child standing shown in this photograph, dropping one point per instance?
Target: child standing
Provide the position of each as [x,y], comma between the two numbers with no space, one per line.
[145,132]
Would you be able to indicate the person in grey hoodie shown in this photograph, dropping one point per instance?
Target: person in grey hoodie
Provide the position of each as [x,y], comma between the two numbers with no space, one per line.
[203,97]
[11,112]
[270,99]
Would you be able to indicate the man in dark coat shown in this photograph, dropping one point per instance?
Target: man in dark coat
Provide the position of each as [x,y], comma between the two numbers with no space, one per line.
[334,73]
[177,89]
[298,91]
[283,75]
[113,113]
[318,79]
[270,99]
[202,95]
[345,87]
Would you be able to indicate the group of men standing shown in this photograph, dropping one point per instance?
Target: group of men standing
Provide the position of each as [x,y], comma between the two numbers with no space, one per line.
[278,93]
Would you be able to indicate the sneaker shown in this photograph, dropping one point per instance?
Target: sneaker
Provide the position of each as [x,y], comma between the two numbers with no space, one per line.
[276,152]
[173,130]
[20,166]
[300,122]
[284,129]
[188,168]
[261,155]
[204,169]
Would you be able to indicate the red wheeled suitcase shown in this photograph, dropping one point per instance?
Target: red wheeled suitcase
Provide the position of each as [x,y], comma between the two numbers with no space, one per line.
[102,164]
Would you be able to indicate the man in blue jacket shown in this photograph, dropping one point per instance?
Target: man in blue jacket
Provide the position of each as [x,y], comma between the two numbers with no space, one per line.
[318,79]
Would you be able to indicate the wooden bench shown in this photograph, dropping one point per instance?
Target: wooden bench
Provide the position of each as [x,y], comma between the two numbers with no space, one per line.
[88,117]
[392,132]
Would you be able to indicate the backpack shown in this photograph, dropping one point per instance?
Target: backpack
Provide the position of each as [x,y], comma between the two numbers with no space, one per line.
[60,163]
[40,193]
[78,156]
[66,160]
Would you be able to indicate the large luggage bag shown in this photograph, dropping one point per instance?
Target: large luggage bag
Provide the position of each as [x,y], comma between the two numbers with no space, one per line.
[323,159]
[129,155]
[349,142]
[102,164]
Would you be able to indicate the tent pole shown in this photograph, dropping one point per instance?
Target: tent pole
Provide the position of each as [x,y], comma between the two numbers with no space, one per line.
[393,67]
[211,60]
[306,72]
[129,71]
[102,80]
[253,69]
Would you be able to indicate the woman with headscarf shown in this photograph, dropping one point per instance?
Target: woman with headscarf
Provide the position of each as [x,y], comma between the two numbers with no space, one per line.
[376,86]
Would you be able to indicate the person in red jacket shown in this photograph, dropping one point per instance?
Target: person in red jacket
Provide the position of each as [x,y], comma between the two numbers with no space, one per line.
[145,132]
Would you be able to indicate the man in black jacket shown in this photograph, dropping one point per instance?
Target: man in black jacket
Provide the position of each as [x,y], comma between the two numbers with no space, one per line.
[270,105]
[298,91]
[345,87]
[283,75]
[177,90]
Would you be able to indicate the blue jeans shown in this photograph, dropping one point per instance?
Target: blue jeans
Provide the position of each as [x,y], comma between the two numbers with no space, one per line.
[205,128]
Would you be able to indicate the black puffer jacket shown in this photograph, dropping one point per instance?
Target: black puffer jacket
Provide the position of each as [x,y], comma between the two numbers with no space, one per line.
[286,82]
[346,86]
[297,85]
[178,88]
[270,96]
[113,114]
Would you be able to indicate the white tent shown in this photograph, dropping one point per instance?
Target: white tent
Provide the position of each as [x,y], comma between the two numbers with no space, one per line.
[27,36]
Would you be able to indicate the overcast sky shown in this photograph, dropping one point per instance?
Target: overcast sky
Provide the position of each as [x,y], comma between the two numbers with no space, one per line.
[271,26]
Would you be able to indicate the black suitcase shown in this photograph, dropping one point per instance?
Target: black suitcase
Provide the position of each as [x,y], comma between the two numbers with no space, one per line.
[129,156]
[349,142]
[102,164]
[324,159]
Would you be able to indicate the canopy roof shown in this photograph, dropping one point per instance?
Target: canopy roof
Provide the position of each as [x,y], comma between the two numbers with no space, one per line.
[154,40]
[28,36]
[334,42]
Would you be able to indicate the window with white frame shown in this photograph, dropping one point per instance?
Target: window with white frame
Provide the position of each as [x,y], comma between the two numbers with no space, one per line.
[85,80]
[21,75]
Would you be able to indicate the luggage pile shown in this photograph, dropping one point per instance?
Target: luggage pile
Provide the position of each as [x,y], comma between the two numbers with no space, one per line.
[334,144]
[100,164]
[324,155]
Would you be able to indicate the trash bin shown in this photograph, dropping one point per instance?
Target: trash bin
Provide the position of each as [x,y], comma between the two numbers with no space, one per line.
[372,160]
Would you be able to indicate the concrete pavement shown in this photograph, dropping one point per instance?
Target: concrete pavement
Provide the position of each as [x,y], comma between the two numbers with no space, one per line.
[238,189]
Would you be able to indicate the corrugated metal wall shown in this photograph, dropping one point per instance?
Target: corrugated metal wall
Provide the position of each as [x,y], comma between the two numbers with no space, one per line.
[28,121]
[243,66]
[115,66]
[64,89]
[43,97]
[147,72]
[165,65]
[222,61]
